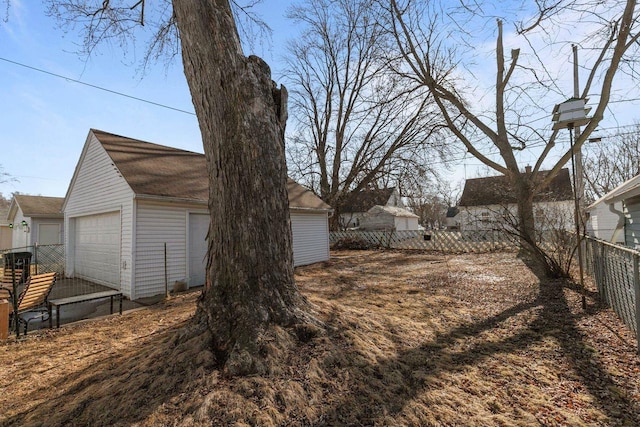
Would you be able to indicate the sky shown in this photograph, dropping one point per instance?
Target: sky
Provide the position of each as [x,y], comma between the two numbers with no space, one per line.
[45,119]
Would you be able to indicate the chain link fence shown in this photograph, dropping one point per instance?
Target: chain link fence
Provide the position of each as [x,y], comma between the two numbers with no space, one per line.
[617,276]
[435,240]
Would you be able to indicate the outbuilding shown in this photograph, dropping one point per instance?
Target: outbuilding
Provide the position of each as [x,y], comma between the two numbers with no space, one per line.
[389,218]
[35,220]
[136,216]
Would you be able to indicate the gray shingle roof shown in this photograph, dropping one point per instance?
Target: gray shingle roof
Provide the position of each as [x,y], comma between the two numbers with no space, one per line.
[40,206]
[496,190]
[156,170]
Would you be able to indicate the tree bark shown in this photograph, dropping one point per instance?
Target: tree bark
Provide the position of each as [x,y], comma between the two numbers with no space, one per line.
[250,284]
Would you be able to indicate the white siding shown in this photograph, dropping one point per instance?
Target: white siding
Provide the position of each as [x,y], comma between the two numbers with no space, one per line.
[310,238]
[548,216]
[197,254]
[603,222]
[632,224]
[97,187]
[97,248]
[19,238]
[157,224]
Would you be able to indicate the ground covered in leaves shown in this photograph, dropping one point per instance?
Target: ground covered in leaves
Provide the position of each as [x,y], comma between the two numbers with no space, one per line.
[412,339]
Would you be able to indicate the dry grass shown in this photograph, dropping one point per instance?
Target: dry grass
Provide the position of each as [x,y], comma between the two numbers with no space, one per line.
[412,339]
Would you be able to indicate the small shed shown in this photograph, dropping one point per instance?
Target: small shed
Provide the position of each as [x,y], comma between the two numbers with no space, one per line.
[35,220]
[356,204]
[129,201]
[6,233]
[451,220]
[389,218]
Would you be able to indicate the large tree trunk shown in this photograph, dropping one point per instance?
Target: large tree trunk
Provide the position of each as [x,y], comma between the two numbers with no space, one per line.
[526,228]
[250,283]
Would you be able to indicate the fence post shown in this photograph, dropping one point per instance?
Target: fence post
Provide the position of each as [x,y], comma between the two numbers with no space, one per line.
[166,277]
[4,319]
[35,258]
[636,287]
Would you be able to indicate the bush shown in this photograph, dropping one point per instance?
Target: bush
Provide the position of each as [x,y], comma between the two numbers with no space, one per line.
[353,243]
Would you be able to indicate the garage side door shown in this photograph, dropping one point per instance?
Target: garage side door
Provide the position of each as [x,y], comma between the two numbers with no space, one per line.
[198,228]
[97,248]
[310,238]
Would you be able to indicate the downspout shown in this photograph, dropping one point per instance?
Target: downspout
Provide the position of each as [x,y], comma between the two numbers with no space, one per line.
[620,226]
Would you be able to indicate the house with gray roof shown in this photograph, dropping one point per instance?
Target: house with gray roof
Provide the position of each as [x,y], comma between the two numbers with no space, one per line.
[490,203]
[356,204]
[389,218]
[5,231]
[623,204]
[128,200]
[35,220]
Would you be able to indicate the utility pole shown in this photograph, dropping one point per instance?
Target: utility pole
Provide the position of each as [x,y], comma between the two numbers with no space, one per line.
[578,181]
[576,130]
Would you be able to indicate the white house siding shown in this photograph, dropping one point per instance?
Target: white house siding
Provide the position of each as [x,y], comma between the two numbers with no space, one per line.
[157,224]
[556,215]
[19,238]
[632,223]
[198,227]
[602,222]
[96,188]
[310,237]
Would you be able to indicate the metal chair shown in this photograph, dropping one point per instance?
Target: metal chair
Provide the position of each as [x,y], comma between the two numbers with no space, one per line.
[32,301]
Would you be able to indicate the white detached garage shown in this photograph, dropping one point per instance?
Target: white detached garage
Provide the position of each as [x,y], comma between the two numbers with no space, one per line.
[129,201]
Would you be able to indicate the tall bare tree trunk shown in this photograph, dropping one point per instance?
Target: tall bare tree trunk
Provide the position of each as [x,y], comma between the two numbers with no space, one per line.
[526,228]
[250,283]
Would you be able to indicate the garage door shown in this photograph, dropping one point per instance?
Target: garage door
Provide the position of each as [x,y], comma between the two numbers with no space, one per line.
[198,228]
[310,238]
[97,248]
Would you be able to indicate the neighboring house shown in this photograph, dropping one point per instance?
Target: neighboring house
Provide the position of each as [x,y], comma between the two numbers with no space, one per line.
[5,230]
[389,218]
[603,219]
[35,220]
[357,204]
[128,198]
[628,227]
[490,203]
[451,219]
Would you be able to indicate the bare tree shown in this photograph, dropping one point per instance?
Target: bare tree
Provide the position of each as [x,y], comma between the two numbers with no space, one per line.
[359,124]
[439,48]
[611,161]
[430,200]
[250,288]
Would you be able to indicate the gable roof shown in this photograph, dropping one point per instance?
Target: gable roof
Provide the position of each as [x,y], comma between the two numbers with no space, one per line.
[161,171]
[626,190]
[363,200]
[36,206]
[496,190]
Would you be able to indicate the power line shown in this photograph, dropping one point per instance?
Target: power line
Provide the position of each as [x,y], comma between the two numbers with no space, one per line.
[97,87]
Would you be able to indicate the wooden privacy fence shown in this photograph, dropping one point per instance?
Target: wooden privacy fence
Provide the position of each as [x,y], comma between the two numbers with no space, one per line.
[435,240]
[616,272]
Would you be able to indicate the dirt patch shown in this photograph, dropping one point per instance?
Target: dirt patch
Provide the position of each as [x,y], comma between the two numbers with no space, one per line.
[413,339]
